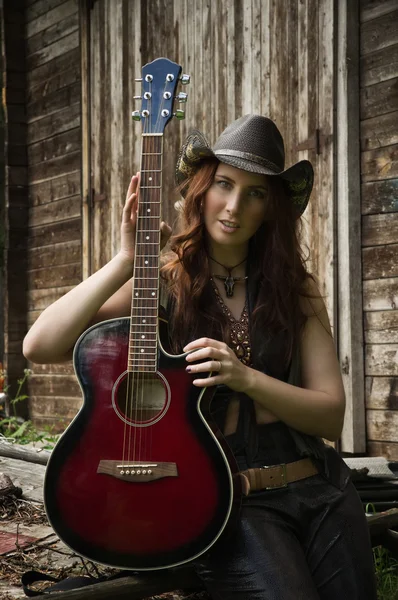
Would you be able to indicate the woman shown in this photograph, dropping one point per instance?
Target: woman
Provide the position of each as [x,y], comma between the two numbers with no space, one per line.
[242,305]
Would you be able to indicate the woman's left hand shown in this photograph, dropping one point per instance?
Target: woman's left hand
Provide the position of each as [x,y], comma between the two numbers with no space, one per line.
[219,360]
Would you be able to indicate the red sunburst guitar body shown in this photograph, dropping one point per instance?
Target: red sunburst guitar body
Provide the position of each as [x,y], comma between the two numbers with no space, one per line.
[142,479]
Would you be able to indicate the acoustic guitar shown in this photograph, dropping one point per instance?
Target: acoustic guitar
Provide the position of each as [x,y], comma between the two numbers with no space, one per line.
[142,478]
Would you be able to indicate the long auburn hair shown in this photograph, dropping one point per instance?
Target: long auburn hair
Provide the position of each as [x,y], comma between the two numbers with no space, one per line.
[275,262]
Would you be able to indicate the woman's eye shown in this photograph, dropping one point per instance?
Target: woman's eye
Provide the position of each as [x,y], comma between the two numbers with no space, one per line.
[257,193]
[222,183]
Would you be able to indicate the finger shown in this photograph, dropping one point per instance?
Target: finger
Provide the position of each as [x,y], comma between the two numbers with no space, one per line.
[209,381]
[165,229]
[210,365]
[203,353]
[130,208]
[204,342]
[133,186]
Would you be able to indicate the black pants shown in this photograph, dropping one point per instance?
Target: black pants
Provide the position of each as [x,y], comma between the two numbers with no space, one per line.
[309,541]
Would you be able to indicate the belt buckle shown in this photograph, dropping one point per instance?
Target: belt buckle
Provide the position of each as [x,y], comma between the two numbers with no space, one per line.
[283,476]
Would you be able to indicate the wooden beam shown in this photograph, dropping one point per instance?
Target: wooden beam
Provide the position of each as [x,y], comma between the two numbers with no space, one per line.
[84,16]
[350,333]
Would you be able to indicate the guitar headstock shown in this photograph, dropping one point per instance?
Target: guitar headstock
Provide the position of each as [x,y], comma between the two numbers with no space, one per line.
[159,84]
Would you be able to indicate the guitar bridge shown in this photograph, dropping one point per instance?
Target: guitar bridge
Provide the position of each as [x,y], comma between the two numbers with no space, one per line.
[141,472]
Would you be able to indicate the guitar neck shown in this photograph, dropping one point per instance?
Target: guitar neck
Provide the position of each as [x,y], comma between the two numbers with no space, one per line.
[145,298]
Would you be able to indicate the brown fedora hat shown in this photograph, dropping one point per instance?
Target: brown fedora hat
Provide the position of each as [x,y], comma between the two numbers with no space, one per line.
[252,143]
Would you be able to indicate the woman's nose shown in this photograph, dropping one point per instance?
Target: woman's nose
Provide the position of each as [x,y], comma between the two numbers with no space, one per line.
[234,202]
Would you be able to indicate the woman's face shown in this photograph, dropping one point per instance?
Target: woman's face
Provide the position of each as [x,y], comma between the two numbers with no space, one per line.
[234,206]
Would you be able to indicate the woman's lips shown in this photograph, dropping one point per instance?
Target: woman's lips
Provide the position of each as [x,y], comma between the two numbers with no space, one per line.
[228,226]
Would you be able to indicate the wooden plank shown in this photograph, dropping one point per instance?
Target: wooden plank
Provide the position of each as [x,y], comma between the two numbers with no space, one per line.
[379,98]
[381,130]
[381,327]
[381,163]
[264,83]
[382,425]
[372,9]
[66,275]
[379,66]
[39,299]
[58,145]
[59,80]
[54,124]
[46,72]
[48,22]
[56,254]
[54,167]
[380,229]
[382,393]
[54,189]
[387,449]
[380,294]
[49,53]
[380,196]
[349,289]
[53,212]
[52,34]
[247,59]
[53,102]
[37,8]
[381,360]
[379,33]
[84,21]
[380,262]
[63,231]
[30,479]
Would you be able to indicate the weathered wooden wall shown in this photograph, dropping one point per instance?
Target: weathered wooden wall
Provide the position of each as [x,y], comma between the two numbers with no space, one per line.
[15,208]
[53,89]
[379,165]
[274,58]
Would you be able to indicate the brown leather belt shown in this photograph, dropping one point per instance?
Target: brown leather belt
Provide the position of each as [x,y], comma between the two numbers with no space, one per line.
[278,476]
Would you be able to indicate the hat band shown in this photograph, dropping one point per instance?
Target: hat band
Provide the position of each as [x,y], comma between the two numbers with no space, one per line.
[252,157]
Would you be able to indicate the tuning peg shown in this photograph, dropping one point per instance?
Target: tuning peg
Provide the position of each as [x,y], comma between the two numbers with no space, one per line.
[182,97]
[137,97]
[140,79]
[180,114]
[185,79]
[136,115]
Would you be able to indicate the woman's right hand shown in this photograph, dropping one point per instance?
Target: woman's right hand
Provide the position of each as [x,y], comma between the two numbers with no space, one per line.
[129,221]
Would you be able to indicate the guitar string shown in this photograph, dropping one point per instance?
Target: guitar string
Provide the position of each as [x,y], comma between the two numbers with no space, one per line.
[138,387]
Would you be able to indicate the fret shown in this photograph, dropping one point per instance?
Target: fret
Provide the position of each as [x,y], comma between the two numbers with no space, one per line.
[143,342]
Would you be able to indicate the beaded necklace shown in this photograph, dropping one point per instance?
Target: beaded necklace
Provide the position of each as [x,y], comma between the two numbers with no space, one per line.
[238,329]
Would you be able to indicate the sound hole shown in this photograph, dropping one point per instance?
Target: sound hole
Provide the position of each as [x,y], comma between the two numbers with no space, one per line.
[141,397]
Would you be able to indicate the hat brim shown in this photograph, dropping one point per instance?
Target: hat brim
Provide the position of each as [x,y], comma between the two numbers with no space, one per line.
[298,179]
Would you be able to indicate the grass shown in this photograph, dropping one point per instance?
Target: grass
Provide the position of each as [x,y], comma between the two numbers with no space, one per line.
[386,569]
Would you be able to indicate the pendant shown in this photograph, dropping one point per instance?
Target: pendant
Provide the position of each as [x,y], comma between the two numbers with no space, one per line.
[229,284]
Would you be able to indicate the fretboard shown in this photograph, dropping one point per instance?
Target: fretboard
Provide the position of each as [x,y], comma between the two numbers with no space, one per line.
[143,342]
